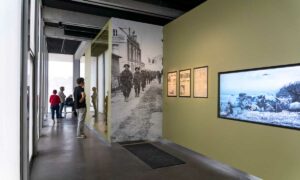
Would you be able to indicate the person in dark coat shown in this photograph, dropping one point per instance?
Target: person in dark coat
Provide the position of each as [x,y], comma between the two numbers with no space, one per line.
[126,81]
[80,106]
[137,81]
[70,103]
[148,77]
[159,75]
[143,79]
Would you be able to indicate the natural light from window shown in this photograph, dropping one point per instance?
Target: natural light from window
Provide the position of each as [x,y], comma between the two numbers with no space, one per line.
[60,73]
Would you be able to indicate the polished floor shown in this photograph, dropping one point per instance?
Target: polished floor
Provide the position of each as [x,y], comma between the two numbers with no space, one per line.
[63,157]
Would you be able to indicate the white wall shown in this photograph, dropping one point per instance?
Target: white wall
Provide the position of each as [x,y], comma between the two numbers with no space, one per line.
[82,66]
[10,59]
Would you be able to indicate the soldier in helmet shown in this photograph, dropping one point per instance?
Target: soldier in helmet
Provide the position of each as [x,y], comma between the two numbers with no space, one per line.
[143,79]
[126,81]
[137,81]
[159,75]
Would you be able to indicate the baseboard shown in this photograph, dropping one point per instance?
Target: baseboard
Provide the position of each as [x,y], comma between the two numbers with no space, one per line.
[198,157]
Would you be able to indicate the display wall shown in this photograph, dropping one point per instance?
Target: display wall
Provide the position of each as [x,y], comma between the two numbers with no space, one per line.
[136,114]
[226,36]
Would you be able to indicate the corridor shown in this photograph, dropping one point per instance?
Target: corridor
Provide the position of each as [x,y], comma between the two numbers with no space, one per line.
[63,157]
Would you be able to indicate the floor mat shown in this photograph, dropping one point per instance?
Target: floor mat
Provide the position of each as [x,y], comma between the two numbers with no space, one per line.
[131,142]
[153,156]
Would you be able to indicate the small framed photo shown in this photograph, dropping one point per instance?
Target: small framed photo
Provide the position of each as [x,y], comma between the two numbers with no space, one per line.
[185,83]
[172,84]
[201,82]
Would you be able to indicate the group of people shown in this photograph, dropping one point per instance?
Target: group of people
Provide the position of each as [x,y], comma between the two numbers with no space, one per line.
[138,80]
[78,104]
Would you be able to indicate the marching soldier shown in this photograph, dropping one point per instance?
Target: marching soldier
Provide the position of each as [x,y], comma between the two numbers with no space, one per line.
[148,77]
[137,82]
[159,75]
[126,81]
[143,79]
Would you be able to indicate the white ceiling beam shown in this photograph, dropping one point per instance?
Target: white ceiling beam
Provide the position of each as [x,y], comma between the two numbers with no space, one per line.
[81,49]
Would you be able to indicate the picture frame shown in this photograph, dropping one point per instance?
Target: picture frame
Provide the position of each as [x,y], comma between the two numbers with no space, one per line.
[185,83]
[261,95]
[172,84]
[200,82]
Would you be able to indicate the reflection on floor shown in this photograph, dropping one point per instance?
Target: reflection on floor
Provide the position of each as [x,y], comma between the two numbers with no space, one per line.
[96,123]
[99,123]
[63,157]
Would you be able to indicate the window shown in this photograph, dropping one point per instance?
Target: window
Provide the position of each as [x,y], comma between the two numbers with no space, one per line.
[60,73]
[115,32]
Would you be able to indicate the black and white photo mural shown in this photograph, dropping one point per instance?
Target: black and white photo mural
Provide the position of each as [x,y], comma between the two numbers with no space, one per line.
[137,70]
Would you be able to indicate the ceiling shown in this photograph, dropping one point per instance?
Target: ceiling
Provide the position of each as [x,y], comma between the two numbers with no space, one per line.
[68,22]
[62,46]
[73,30]
[100,8]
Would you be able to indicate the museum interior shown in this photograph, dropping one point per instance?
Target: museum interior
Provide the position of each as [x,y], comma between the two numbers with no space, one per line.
[150,89]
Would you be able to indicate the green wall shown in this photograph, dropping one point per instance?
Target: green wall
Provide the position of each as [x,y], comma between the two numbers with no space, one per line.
[232,35]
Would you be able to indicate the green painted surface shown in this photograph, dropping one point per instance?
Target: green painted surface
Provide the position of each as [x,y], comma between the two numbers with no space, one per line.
[232,35]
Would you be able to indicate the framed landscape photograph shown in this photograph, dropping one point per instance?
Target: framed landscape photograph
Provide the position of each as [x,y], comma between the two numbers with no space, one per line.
[200,82]
[172,84]
[185,83]
[269,96]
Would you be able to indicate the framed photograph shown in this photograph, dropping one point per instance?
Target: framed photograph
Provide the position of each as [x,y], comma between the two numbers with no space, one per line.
[172,84]
[269,96]
[200,82]
[185,83]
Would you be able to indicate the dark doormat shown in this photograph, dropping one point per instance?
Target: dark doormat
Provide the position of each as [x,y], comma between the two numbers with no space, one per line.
[154,157]
[131,142]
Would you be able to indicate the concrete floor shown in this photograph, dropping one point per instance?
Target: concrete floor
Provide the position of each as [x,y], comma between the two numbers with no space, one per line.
[63,157]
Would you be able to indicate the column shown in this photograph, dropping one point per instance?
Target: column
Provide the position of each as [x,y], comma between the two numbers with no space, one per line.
[76,70]
[87,87]
[10,72]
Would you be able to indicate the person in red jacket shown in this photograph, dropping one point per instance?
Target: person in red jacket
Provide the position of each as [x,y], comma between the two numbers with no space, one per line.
[54,101]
